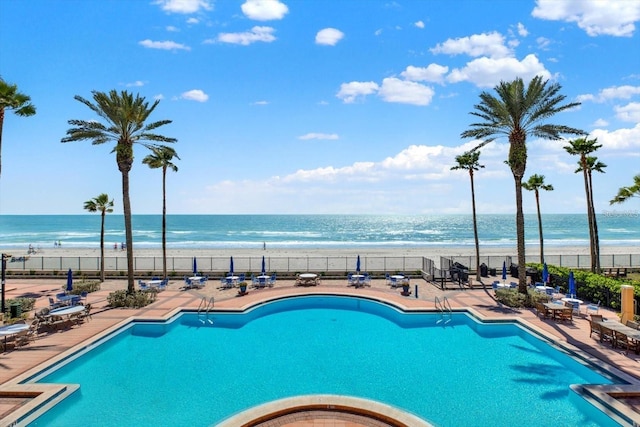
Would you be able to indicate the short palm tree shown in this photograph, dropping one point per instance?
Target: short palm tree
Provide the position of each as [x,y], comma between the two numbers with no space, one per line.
[469,161]
[516,113]
[582,147]
[11,99]
[162,158]
[124,116]
[535,184]
[625,193]
[103,205]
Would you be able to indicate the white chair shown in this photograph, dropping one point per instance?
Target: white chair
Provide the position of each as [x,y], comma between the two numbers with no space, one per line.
[593,307]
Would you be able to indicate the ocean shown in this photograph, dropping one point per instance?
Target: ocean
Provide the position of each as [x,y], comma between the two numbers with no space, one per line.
[313,231]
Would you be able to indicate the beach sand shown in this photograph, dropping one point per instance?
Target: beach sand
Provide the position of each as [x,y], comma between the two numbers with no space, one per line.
[431,252]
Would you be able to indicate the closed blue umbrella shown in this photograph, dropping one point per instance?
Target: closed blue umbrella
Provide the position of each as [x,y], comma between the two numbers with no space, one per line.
[572,285]
[231,266]
[504,270]
[69,287]
[195,267]
[545,273]
[264,270]
[358,264]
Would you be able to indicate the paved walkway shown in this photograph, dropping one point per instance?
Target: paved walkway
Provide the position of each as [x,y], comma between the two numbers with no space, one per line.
[14,364]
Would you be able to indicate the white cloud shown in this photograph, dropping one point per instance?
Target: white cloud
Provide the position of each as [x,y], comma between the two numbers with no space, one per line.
[193,21]
[543,43]
[260,103]
[614,92]
[165,45]
[257,34]
[264,10]
[432,73]
[330,136]
[184,6]
[522,31]
[329,36]
[488,72]
[629,112]
[349,92]
[137,83]
[195,95]
[619,139]
[419,24]
[172,29]
[596,17]
[405,92]
[600,123]
[491,44]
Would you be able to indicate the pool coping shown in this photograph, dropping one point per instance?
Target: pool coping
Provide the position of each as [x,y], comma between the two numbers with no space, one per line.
[47,395]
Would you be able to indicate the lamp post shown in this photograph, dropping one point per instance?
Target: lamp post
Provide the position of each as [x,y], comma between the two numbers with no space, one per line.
[4,268]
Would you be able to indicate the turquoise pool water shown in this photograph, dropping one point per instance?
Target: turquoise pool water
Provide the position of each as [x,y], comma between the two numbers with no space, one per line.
[197,371]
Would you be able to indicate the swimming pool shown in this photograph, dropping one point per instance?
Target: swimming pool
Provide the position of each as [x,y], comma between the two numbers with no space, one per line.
[197,370]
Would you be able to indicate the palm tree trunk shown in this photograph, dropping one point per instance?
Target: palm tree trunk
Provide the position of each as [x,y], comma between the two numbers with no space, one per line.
[522,268]
[126,205]
[1,125]
[164,223]
[104,213]
[540,227]
[475,227]
[596,239]
[589,215]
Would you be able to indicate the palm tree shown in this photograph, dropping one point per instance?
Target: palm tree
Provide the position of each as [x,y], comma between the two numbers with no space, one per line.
[161,158]
[593,164]
[125,117]
[518,113]
[469,160]
[625,193]
[535,184]
[103,205]
[11,99]
[583,147]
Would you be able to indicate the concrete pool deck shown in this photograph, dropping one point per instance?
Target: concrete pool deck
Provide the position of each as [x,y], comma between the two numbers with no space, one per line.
[16,363]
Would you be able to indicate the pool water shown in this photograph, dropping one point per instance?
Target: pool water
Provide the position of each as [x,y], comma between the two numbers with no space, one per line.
[448,370]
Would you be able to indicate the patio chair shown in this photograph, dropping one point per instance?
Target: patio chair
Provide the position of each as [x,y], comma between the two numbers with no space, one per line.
[593,307]
[594,328]
[367,279]
[393,282]
[272,280]
[566,314]
[84,295]
[262,282]
[622,340]
[543,311]
[387,278]
[53,304]
[632,324]
[163,285]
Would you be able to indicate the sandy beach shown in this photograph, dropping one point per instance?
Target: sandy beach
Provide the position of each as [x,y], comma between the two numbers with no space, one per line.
[426,251]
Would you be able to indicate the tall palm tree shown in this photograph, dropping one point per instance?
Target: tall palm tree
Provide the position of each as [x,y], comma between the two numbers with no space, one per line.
[582,147]
[518,112]
[535,184]
[625,193]
[103,205]
[593,164]
[469,161]
[125,117]
[162,158]
[11,99]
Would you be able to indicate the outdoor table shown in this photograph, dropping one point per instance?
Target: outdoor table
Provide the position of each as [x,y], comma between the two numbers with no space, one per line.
[308,278]
[617,326]
[66,299]
[263,280]
[9,330]
[554,307]
[153,283]
[233,279]
[545,289]
[357,279]
[67,311]
[503,285]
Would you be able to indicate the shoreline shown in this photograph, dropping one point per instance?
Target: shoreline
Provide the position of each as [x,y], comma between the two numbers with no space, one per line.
[428,252]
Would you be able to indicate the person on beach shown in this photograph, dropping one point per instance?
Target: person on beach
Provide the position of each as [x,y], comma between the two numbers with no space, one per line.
[264,246]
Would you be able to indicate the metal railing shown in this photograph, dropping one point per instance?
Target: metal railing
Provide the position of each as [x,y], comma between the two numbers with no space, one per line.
[337,264]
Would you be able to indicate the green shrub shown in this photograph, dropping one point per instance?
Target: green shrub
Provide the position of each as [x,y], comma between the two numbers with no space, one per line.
[137,299]
[513,298]
[85,285]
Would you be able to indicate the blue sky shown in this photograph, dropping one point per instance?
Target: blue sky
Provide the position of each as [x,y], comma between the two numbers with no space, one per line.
[315,106]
